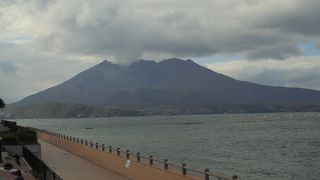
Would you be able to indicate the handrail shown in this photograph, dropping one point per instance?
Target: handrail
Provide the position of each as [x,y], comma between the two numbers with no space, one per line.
[40,170]
[138,157]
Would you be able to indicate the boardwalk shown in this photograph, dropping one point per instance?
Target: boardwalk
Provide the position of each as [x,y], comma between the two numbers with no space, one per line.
[71,167]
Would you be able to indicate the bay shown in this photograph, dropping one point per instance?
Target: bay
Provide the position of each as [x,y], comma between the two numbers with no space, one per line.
[252,146]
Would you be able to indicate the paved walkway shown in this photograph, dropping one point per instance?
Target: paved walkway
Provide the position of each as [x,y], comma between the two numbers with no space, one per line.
[71,167]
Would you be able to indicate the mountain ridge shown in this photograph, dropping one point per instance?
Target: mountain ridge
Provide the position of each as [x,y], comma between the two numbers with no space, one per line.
[171,82]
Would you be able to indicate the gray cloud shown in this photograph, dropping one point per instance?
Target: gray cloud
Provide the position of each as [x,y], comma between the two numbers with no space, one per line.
[7,68]
[129,30]
[23,71]
[37,35]
[300,17]
[274,51]
[300,72]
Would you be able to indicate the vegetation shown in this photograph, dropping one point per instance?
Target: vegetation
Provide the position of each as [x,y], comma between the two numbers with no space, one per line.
[19,135]
[57,110]
[2,103]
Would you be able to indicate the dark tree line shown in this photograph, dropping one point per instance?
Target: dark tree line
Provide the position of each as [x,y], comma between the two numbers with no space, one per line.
[2,103]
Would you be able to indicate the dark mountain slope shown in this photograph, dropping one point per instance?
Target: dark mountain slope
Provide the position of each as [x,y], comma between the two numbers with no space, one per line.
[169,82]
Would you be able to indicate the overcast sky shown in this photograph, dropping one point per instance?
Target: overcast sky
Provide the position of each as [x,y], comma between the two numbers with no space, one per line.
[44,42]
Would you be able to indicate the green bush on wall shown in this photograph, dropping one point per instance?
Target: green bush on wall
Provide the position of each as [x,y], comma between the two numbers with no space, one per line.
[19,136]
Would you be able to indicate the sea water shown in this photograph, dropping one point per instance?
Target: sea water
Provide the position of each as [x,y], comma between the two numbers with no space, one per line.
[252,146]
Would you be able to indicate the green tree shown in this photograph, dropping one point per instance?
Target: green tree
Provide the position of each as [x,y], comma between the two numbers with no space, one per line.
[2,103]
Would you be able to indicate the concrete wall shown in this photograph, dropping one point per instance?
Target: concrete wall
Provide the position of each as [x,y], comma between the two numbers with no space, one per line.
[136,170]
[17,149]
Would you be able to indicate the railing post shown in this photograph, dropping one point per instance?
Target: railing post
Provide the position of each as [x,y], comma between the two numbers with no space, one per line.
[38,168]
[128,155]
[1,144]
[166,164]
[184,169]
[118,151]
[110,149]
[206,174]
[103,147]
[151,160]
[45,173]
[138,157]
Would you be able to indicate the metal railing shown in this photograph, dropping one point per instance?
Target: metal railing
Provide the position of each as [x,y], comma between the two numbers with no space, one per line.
[39,169]
[163,164]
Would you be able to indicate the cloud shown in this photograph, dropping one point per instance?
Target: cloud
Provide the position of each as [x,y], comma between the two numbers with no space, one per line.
[278,51]
[300,17]
[23,71]
[59,38]
[300,72]
[125,30]
[7,68]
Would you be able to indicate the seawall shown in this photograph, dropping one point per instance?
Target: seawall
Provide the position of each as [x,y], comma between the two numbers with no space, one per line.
[113,162]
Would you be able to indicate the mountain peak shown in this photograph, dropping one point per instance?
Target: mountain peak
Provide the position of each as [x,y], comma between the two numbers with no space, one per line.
[175,60]
[105,62]
[167,82]
[142,61]
[150,62]
[178,61]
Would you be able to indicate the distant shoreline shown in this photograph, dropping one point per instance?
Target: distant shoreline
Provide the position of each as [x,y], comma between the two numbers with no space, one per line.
[164,115]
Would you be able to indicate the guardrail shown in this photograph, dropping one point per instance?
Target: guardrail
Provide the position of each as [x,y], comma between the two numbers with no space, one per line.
[39,169]
[150,160]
